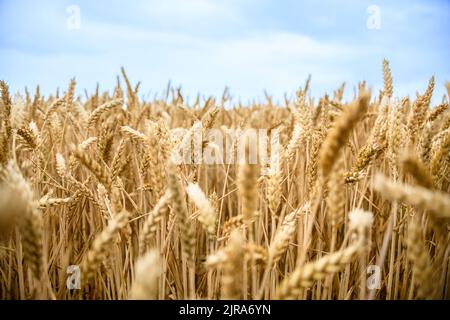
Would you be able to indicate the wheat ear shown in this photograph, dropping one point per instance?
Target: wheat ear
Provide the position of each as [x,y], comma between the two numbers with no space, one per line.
[147,273]
[232,268]
[304,276]
[98,170]
[387,77]
[415,167]
[248,190]
[207,215]
[339,134]
[151,223]
[101,246]
[30,220]
[283,236]
[100,110]
[437,202]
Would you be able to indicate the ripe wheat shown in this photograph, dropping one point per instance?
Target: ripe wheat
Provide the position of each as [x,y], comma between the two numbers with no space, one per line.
[93,181]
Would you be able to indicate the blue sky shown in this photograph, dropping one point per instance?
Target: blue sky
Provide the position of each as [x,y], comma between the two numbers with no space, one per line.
[205,45]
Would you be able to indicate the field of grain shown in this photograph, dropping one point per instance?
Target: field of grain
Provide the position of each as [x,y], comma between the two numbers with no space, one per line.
[355,205]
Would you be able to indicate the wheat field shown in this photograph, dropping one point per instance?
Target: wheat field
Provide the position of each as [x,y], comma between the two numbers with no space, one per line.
[355,205]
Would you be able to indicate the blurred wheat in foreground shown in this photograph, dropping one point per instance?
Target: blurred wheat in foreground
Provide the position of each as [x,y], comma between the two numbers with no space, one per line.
[358,185]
